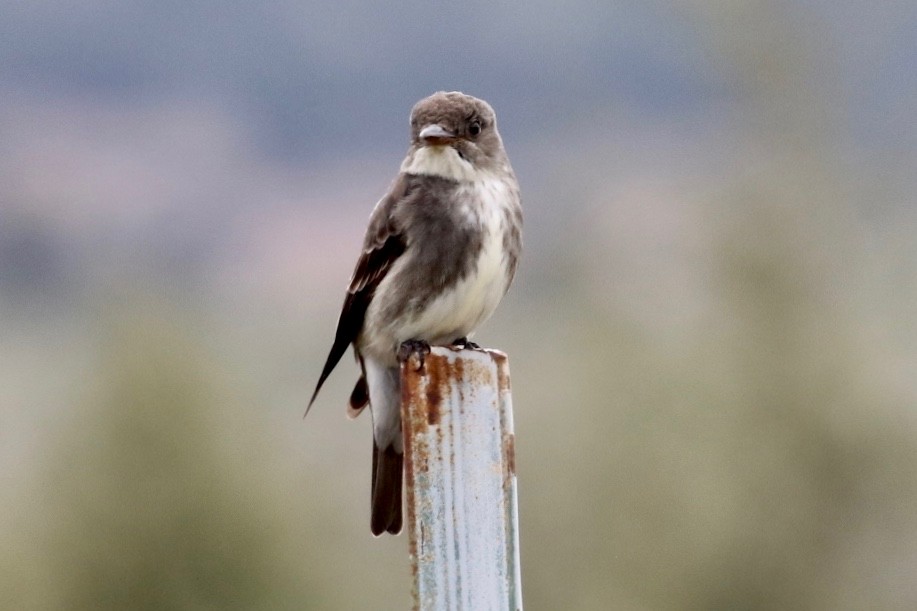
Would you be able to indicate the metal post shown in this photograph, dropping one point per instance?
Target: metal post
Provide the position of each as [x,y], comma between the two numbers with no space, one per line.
[461,481]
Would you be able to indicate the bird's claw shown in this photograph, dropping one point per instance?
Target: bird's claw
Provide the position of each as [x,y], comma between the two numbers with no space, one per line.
[463,343]
[414,346]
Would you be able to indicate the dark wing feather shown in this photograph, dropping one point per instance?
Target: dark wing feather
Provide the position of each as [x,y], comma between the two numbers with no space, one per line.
[381,248]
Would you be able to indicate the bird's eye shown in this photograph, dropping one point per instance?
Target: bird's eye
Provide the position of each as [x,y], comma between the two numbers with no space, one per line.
[474,129]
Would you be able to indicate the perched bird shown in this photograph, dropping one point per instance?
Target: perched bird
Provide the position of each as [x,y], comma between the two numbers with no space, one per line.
[439,254]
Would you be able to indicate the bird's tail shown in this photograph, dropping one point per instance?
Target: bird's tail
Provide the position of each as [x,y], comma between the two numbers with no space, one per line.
[386,491]
[359,398]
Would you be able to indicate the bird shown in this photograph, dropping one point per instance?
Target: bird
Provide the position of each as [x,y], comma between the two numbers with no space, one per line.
[440,252]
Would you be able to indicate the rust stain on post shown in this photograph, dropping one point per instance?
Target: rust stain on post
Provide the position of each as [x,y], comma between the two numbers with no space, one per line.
[502,362]
[410,387]
[509,451]
[435,378]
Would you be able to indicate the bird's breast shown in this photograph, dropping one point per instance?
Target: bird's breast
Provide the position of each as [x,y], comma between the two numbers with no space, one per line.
[468,301]
[416,301]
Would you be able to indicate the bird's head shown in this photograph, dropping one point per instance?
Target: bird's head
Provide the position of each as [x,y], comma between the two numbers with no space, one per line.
[451,128]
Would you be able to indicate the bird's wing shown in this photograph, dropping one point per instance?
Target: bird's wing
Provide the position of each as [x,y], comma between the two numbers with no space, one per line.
[383,244]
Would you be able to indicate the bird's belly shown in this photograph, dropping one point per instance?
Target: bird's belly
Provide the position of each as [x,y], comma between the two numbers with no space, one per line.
[461,308]
[456,309]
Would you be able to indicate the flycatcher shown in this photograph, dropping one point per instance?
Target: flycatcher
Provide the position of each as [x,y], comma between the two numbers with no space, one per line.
[439,254]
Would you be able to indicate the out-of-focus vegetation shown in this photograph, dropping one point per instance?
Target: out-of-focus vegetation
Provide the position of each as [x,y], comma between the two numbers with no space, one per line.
[709,337]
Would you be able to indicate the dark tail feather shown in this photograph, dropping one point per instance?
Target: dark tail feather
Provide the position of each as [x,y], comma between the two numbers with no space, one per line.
[359,398]
[386,492]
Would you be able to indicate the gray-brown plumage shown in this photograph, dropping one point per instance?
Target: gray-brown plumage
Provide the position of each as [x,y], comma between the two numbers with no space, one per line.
[440,252]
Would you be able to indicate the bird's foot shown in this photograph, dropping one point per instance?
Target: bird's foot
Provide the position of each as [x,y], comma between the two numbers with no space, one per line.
[463,343]
[414,346]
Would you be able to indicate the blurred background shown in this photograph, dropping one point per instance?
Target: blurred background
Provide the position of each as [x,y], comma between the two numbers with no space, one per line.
[711,335]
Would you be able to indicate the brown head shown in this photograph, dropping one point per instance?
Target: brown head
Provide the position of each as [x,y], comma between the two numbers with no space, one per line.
[461,122]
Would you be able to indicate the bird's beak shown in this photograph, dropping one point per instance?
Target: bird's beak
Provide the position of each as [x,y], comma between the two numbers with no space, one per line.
[436,134]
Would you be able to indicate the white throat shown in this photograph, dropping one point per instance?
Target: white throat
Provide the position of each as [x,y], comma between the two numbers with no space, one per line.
[442,161]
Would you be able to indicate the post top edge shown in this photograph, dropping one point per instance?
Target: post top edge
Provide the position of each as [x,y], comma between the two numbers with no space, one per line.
[455,351]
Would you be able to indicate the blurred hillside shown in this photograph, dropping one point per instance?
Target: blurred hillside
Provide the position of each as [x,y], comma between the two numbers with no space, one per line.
[709,336]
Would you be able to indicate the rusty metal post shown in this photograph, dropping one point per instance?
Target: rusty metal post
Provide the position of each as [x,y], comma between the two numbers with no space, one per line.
[461,481]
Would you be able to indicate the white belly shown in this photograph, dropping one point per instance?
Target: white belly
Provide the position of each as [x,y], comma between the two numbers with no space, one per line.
[468,303]
[464,305]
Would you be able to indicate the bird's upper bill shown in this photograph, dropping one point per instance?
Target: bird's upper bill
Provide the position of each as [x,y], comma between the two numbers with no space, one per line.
[436,135]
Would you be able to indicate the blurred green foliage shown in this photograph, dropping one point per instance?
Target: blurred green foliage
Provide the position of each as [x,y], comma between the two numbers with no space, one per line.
[759,460]
[148,501]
